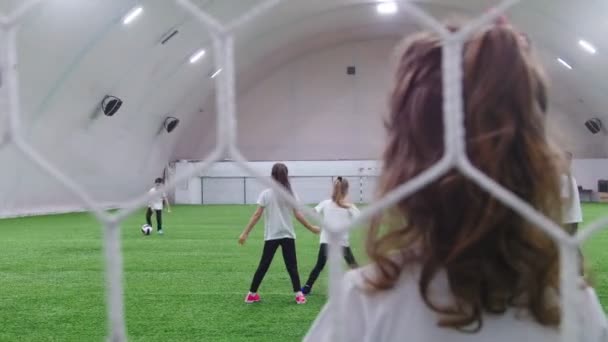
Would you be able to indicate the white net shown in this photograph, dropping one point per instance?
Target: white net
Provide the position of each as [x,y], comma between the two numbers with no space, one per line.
[226,145]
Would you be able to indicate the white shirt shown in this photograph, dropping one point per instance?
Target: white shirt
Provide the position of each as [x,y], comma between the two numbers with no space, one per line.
[156,203]
[571,203]
[335,215]
[400,314]
[278,223]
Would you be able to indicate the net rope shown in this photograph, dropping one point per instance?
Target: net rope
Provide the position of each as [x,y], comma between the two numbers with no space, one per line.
[226,145]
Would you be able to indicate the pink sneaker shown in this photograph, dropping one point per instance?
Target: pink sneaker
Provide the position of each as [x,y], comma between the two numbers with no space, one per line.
[300,299]
[252,298]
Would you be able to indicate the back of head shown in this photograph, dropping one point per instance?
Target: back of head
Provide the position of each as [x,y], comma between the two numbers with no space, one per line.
[280,173]
[339,192]
[159,181]
[494,259]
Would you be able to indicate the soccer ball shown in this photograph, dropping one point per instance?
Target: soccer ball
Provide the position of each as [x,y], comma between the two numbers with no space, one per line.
[146,229]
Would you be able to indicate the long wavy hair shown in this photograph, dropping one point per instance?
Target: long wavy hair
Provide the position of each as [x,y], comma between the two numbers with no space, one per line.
[494,259]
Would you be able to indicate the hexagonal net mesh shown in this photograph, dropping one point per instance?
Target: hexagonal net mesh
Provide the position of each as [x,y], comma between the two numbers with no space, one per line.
[223,44]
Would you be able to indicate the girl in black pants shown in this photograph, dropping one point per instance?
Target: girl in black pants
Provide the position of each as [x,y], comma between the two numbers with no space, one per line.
[335,211]
[156,205]
[278,231]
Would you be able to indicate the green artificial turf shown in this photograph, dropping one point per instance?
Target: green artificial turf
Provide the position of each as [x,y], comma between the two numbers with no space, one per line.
[187,285]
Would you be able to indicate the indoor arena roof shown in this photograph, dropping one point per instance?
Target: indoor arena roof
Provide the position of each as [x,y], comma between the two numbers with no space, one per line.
[74,52]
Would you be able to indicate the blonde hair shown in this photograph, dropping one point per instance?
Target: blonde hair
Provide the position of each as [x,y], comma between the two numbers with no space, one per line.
[340,191]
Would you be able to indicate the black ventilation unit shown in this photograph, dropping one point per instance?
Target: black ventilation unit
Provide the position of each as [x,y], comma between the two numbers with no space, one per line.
[110,105]
[594,125]
[170,124]
[172,33]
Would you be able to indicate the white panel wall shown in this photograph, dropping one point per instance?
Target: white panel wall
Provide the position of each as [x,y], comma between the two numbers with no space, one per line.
[296,168]
[223,191]
[226,183]
[254,188]
[368,189]
[312,180]
[589,171]
[312,189]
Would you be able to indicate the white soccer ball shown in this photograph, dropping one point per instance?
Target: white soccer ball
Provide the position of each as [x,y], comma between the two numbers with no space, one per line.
[146,229]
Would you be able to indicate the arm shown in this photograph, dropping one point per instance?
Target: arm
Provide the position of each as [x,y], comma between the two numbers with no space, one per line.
[252,222]
[305,223]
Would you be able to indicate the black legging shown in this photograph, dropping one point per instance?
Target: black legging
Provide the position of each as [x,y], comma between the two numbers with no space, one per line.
[159,218]
[322,260]
[288,247]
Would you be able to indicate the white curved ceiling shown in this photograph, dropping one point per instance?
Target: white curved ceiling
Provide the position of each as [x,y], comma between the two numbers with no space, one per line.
[73,52]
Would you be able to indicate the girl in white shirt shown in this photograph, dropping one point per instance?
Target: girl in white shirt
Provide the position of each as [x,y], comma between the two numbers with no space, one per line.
[278,231]
[157,205]
[335,211]
[451,262]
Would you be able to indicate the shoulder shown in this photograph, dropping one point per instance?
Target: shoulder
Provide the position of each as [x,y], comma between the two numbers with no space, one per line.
[353,210]
[321,206]
[325,203]
[264,196]
[363,309]
[357,287]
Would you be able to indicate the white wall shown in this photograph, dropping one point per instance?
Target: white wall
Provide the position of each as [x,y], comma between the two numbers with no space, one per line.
[310,109]
[312,179]
[188,192]
[589,171]
[226,183]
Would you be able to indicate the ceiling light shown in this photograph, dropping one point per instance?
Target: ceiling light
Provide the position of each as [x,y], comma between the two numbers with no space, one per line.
[389,7]
[564,63]
[197,55]
[587,46]
[216,73]
[134,13]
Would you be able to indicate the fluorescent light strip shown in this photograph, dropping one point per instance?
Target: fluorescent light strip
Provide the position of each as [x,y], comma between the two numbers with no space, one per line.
[564,63]
[587,46]
[389,7]
[216,73]
[134,13]
[197,55]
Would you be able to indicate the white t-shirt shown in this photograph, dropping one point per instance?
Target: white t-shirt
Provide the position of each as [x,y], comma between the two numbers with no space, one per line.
[400,314]
[157,202]
[278,214]
[336,215]
[571,203]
